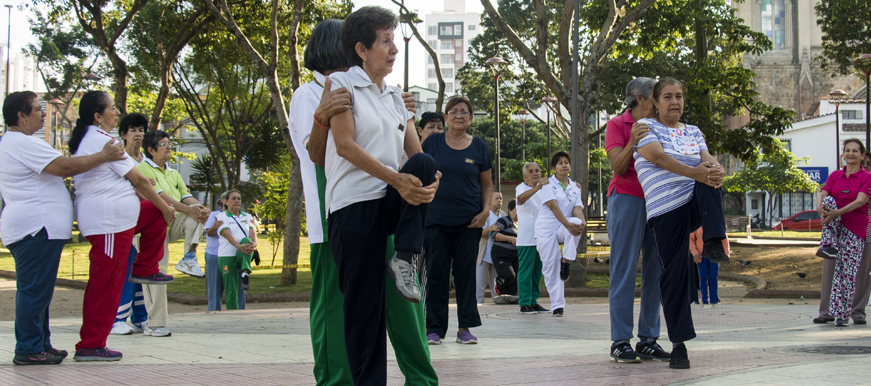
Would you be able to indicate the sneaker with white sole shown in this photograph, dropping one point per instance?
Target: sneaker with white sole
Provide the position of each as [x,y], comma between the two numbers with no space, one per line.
[190,267]
[157,331]
[403,273]
[139,327]
[121,328]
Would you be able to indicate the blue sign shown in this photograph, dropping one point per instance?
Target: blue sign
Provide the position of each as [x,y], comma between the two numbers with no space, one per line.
[818,174]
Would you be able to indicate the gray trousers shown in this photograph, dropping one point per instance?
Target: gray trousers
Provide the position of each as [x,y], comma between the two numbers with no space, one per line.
[863,285]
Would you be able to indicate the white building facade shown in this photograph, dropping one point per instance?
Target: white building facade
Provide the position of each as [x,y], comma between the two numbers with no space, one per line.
[449,33]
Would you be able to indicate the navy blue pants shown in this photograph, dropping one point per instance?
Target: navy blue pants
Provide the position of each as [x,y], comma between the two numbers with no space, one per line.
[672,234]
[132,302]
[358,240]
[36,262]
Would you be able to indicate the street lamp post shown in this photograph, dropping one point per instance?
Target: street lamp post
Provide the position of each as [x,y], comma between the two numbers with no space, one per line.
[864,62]
[8,51]
[547,101]
[836,96]
[55,105]
[405,20]
[523,114]
[496,65]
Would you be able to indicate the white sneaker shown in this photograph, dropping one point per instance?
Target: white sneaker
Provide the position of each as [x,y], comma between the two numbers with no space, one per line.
[157,331]
[140,327]
[403,273]
[121,328]
[190,267]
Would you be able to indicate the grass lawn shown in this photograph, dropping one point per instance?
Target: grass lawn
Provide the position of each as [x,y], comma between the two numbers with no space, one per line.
[809,235]
[262,280]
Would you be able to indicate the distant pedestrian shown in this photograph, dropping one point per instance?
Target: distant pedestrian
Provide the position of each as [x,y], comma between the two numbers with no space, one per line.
[430,123]
[529,261]
[485,271]
[214,275]
[237,245]
[708,271]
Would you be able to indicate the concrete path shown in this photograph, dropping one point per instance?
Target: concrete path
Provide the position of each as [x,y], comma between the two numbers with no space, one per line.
[742,342]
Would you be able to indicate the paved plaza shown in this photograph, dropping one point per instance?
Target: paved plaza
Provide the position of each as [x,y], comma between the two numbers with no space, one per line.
[742,342]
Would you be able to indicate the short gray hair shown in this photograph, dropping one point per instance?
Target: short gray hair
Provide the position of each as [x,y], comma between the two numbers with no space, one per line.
[638,86]
[526,167]
[324,49]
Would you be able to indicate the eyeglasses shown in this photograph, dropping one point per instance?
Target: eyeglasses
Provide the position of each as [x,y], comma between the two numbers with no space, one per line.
[164,144]
[461,114]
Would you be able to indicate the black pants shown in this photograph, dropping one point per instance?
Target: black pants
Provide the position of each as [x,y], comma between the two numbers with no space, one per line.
[450,248]
[672,234]
[358,240]
[505,261]
[694,281]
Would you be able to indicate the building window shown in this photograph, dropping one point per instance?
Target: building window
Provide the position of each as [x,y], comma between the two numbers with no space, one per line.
[430,73]
[450,30]
[432,43]
[447,59]
[449,88]
[471,27]
[432,30]
[851,114]
[773,14]
[428,59]
[754,204]
[447,44]
[432,86]
[447,73]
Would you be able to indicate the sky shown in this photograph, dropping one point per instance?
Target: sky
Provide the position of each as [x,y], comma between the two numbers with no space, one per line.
[20,32]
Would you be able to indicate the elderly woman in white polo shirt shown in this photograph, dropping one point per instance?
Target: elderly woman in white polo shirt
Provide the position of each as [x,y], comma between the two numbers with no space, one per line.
[109,214]
[368,197]
[560,221]
[37,220]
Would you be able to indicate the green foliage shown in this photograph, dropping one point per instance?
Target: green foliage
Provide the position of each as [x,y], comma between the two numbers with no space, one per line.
[846,27]
[273,205]
[205,178]
[776,172]
[268,151]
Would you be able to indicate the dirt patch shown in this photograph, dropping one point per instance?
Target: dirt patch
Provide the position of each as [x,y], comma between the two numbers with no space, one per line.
[778,266]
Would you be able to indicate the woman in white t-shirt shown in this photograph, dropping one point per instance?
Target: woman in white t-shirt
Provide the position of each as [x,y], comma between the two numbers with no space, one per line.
[214,276]
[37,220]
[560,221]
[109,214]
[237,244]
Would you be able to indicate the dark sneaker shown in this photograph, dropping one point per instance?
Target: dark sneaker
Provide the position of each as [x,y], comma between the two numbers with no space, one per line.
[539,309]
[527,310]
[679,358]
[64,353]
[403,274]
[433,339]
[714,251]
[859,320]
[827,252]
[622,353]
[157,278]
[243,283]
[841,323]
[652,351]
[42,358]
[466,337]
[823,320]
[558,312]
[96,355]
[564,271]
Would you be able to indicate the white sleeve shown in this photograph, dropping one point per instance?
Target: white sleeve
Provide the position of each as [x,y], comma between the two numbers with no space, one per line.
[36,154]
[301,113]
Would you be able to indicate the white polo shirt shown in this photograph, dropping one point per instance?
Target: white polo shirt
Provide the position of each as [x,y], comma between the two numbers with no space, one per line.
[106,201]
[301,116]
[380,120]
[228,221]
[526,216]
[34,199]
[566,199]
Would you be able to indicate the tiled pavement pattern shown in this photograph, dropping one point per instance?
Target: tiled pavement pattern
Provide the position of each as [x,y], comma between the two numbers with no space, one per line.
[738,344]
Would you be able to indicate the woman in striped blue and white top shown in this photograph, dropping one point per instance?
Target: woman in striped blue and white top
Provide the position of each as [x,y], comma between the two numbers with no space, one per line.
[681,183]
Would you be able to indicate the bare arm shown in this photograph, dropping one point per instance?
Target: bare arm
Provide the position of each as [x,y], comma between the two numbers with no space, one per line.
[412,142]
[68,167]
[525,196]
[486,195]
[144,187]
[831,214]
[213,230]
[654,153]
[621,157]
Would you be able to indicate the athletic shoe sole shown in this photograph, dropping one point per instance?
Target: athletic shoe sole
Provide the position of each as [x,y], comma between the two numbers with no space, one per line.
[142,280]
[652,358]
[79,358]
[48,361]
[618,360]
[460,341]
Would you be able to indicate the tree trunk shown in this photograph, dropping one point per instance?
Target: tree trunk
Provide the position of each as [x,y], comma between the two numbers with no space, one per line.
[162,95]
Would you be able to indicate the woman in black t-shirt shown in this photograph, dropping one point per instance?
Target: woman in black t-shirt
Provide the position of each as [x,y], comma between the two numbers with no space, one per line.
[454,222]
[504,255]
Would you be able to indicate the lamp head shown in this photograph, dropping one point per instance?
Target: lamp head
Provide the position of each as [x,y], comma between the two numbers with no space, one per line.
[864,62]
[496,65]
[836,96]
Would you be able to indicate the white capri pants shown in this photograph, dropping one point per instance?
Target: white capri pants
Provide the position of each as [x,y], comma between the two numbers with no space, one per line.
[548,249]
